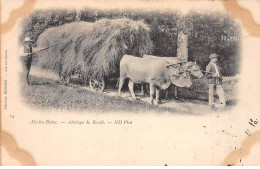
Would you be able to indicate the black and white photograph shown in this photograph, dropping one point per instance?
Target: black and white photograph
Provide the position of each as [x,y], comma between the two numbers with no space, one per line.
[130,83]
[130,60]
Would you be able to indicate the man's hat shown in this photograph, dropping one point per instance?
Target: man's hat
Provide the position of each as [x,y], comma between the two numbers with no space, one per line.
[28,39]
[213,55]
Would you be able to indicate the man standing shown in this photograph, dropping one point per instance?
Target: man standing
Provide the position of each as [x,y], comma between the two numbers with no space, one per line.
[215,80]
[26,59]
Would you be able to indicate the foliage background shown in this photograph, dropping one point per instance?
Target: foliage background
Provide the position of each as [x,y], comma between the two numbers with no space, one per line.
[208,32]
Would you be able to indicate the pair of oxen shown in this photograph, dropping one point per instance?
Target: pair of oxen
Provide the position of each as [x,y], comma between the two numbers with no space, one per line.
[159,72]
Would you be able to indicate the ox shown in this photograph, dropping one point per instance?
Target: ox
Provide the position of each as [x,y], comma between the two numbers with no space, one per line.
[158,73]
[190,67]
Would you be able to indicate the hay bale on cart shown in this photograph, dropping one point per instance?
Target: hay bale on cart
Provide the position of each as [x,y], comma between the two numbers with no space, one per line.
[93,49]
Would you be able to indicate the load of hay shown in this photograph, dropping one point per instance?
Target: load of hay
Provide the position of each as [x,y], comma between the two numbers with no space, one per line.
[94,49]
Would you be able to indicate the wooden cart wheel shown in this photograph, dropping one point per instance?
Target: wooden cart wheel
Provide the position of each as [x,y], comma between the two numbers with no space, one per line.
[97,84]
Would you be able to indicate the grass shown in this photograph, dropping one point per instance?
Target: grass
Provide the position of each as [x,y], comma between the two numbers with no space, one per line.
[45,94]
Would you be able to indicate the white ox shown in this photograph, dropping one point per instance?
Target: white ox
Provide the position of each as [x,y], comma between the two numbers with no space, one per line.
[158,73]
[190,67]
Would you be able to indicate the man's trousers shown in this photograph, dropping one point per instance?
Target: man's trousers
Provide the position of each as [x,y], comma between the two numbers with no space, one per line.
[220,93]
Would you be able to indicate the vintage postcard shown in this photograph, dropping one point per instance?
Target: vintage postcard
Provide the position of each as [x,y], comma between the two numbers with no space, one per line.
[130,83]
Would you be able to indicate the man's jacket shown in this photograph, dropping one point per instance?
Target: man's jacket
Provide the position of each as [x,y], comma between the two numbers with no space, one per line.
[211,70]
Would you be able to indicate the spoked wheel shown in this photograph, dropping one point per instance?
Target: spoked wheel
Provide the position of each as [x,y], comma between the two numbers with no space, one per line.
[97,84]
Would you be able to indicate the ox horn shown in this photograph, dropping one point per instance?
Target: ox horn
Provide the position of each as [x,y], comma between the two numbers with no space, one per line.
[172,64]
[169,64]
[181,62]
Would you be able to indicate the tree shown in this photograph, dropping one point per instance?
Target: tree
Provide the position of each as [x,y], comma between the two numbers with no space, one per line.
[208,32]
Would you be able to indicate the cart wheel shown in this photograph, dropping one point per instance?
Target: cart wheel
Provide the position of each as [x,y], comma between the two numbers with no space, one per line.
[97,84]
[65,80]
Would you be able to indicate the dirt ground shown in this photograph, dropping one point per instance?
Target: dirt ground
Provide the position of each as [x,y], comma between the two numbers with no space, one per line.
[184,131]
[48,92]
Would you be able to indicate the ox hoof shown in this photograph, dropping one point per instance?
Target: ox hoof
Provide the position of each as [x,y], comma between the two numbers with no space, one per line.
[158,102]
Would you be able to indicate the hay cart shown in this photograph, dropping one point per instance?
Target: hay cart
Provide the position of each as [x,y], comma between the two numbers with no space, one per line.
[96,83]
[91,52]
